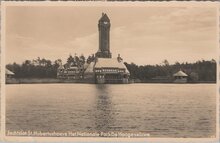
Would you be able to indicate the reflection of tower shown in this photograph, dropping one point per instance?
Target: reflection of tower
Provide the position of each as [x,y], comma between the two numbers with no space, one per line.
[104,32]
[104,109]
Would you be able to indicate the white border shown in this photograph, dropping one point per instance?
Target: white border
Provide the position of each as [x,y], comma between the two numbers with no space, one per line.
[100,139]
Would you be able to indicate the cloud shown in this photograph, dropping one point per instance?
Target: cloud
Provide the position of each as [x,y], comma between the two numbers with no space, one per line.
[160,38]
[145,36]
[32,48]
[86,45]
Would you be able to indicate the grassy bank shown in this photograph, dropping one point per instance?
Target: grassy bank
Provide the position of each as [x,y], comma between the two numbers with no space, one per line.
[44,80]
[55,80]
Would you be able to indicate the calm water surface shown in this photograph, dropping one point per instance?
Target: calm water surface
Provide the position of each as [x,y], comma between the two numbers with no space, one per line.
[162,110]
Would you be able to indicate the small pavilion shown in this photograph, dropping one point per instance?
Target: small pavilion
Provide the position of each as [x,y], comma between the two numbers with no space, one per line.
[180,77]
[8,73]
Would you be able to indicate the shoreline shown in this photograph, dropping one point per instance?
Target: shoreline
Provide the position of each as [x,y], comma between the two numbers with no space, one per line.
[86,81]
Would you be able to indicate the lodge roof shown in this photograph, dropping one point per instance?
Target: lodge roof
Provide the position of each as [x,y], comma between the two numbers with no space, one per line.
[110,63]
[61,67]
[8,72]
[89,68]
[180,73]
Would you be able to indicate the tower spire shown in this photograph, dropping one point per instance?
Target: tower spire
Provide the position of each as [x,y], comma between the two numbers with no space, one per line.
[104,37]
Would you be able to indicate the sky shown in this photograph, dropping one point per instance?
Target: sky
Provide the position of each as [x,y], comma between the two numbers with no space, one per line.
[142,35]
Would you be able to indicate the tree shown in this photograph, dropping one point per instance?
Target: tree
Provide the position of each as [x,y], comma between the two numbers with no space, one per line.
[201,71]
[166,63]
[90,59]
[70,60]
[82,60]
[194,77]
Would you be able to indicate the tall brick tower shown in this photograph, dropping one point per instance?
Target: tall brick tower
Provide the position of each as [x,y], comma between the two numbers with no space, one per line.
[104,37]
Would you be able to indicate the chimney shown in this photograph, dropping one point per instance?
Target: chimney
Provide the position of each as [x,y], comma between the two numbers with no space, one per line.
[119,58]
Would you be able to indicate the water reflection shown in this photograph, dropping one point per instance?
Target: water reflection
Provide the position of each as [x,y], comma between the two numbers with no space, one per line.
[104,112]
[181,110]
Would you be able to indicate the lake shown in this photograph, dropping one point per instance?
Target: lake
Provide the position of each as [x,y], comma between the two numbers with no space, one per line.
[161,110]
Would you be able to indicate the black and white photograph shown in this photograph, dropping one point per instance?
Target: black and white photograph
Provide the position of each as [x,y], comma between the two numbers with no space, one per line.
[110,70]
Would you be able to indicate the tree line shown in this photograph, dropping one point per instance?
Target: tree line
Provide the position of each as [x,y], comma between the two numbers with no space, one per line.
[202,70]
[45,68]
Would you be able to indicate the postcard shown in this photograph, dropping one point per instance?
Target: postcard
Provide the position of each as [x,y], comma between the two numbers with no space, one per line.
[110,71]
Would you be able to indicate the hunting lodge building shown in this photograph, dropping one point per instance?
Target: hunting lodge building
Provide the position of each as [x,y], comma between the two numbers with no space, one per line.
[104,68]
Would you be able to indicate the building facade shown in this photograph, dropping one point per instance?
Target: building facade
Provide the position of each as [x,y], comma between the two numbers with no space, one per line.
[104,68]
[110,70]
[72,72]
